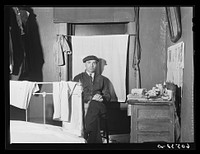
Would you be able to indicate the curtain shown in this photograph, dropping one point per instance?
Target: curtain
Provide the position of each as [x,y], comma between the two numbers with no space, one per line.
[112,50]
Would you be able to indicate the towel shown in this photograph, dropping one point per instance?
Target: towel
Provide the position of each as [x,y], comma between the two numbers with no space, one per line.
[62,92]
[60,46]
[67,102]
[20,93]
[112,49]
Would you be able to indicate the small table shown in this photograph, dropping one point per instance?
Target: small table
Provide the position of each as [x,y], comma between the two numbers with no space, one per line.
[152,120]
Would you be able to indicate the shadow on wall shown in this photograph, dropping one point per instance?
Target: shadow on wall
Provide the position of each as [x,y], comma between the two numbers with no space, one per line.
[100,68]
[33,62]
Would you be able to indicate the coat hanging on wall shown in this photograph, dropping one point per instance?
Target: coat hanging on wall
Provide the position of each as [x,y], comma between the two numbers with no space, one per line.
[26,57]
[16,47]
[60,47]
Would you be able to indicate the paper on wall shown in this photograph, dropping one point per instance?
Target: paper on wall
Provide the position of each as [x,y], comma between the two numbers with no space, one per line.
[175,64]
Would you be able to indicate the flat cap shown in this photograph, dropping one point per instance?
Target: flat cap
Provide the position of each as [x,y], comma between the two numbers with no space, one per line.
[91,57]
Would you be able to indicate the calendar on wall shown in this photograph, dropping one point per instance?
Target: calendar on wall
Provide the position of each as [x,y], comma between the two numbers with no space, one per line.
[175,64]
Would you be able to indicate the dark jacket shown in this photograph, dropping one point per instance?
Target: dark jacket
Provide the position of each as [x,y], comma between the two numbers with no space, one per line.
[98,86]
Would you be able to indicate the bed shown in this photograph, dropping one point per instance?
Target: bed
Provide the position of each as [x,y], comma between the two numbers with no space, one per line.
[24,131]
[29,132]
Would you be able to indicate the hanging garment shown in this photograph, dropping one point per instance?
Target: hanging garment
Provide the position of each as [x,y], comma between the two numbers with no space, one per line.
[34,59]
[61,93]
[18,17]
[24,15]
[20,93]
[11,62]
[16,42]
[60,47]
[67,100]
[75,125]
[112,52]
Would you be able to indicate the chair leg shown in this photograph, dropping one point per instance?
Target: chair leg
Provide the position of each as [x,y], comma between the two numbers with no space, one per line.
[106,131]
[107,136]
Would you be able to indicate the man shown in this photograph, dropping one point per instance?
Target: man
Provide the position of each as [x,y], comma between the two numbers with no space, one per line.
[95,94]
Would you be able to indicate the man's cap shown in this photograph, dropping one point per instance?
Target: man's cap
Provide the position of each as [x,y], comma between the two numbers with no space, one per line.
[91,57]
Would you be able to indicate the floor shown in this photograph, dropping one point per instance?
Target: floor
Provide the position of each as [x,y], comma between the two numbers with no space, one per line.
[119,138]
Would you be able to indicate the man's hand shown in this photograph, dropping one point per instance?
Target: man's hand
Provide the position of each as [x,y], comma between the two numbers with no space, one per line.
[97,97]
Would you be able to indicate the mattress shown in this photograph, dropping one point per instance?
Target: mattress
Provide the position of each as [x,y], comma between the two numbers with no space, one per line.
[29,132]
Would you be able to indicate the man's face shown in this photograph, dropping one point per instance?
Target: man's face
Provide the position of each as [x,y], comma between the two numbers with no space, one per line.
[91,66]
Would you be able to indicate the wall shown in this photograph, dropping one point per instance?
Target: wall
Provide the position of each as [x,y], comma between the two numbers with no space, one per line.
[153,44]
[187,104]
[154,38]
[47,31]
[187,108]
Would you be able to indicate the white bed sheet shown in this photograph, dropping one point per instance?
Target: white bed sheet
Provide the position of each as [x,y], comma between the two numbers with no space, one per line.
[29,132]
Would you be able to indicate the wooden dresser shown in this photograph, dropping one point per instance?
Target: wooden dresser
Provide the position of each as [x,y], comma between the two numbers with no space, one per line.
[152,121]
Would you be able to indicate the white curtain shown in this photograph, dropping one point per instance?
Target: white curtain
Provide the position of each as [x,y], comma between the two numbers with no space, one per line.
[112,49]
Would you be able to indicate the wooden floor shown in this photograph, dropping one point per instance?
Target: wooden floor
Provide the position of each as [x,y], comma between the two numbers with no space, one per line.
[119,138]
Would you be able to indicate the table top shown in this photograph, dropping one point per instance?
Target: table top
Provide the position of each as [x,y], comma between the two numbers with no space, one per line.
[149,102]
